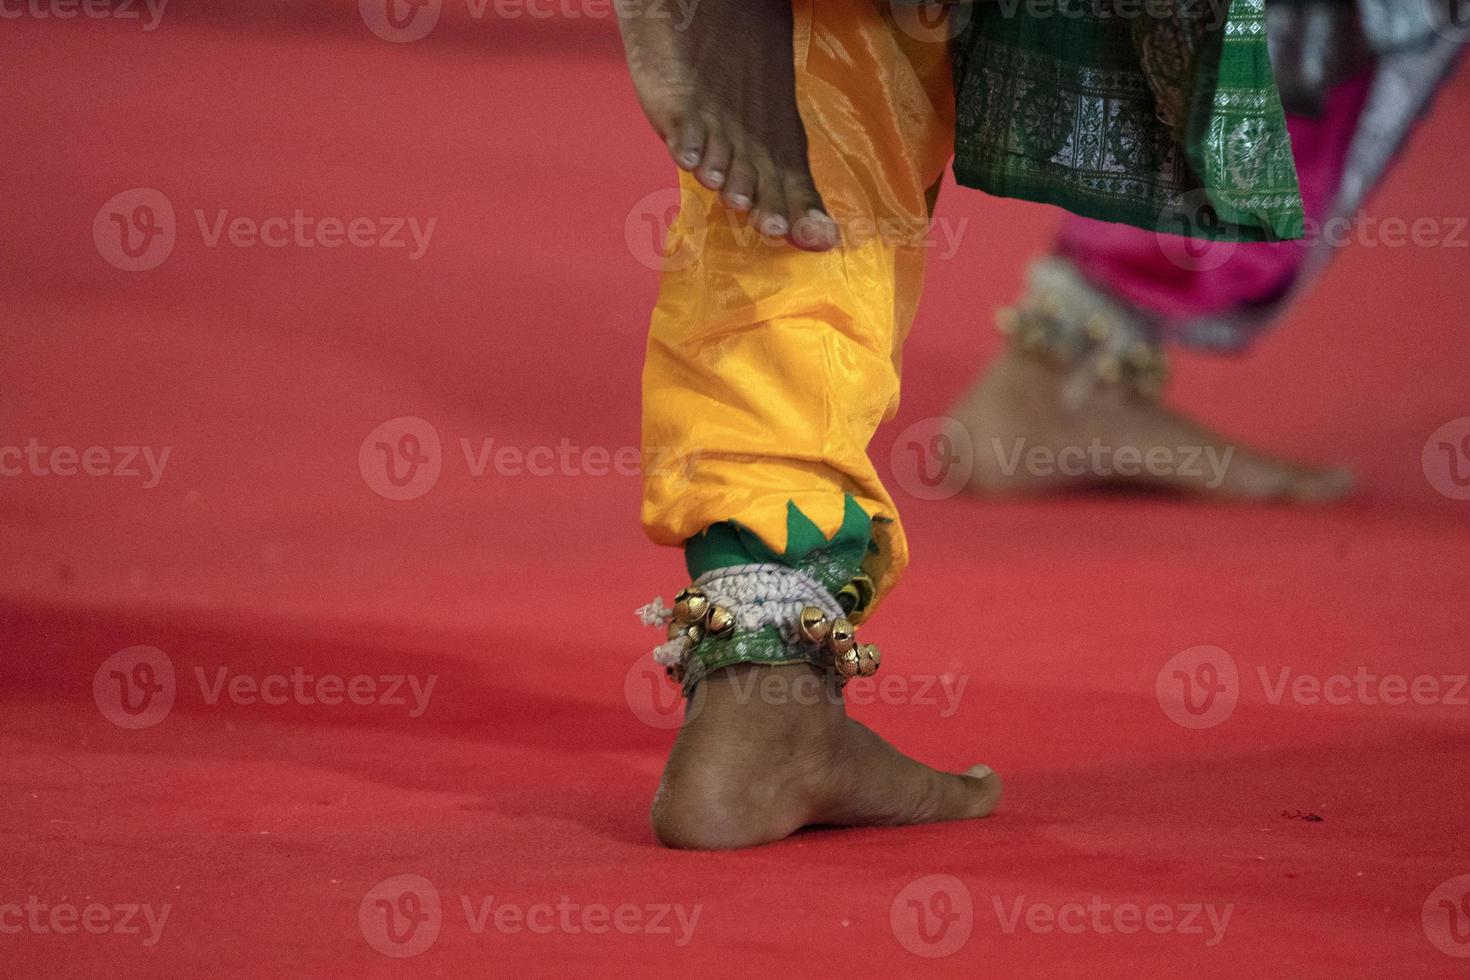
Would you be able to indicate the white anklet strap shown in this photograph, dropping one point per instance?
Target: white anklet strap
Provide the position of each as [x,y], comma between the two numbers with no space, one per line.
[757,596]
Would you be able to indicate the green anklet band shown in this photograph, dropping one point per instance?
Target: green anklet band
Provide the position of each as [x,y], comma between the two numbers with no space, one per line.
[759,614]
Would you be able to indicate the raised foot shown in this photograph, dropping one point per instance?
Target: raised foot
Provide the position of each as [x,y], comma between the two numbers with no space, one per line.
[768,750]
[718,83]
[1028,442]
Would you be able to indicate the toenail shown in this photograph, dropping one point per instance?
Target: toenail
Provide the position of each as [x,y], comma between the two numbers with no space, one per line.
[690,158]
[740,200]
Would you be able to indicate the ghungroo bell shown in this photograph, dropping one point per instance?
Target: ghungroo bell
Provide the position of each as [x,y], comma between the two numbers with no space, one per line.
[841,639]
[720,622]
[691,606]
[813,625]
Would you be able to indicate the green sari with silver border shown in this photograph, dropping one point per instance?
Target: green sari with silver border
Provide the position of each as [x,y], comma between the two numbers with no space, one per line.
[1162,114]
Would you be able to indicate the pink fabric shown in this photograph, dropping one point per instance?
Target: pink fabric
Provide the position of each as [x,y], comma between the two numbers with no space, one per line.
[1131,263]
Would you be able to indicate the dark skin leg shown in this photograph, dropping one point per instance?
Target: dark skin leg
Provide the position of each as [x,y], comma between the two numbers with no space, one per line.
[764,750]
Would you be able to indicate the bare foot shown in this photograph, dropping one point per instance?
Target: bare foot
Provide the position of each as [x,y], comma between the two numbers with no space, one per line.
[768,750]
[1108,439]
[718,83]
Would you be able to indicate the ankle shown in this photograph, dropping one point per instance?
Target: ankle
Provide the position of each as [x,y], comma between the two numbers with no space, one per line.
[776,702]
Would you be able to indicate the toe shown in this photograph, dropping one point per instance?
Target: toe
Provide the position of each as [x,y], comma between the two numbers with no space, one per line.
[714,168]
[769,215]
[739,189]
[981,791]
[811,227]
[942,796]
[687,143]
[872,783]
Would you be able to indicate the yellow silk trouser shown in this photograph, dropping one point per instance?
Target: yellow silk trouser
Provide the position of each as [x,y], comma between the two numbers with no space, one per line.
[768,369]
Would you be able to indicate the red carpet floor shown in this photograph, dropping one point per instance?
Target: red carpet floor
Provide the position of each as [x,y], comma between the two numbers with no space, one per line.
[1327,833]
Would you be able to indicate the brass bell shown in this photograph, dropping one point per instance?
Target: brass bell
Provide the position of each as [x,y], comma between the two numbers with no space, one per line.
[720,622]
[691,606]
[1109,369]
[848,664]
[1098,327]
[869,659]
[691,633]
[841,638]
[813,625]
